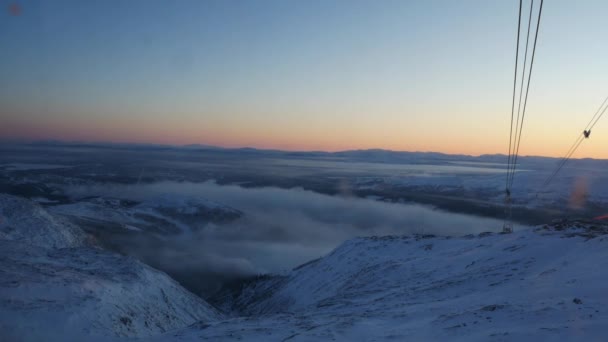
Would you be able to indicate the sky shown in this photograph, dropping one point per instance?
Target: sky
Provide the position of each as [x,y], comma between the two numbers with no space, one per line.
[301,75]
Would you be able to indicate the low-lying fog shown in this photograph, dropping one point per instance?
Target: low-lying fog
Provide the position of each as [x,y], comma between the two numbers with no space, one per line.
[281,228]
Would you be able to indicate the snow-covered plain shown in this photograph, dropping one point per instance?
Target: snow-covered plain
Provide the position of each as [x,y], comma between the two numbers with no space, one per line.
[32,166]
[583,178]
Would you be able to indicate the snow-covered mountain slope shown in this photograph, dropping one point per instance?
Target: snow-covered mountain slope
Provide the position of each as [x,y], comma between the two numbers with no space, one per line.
[536,284]
[25,221]
[81,292]
[165,214]
[531,285]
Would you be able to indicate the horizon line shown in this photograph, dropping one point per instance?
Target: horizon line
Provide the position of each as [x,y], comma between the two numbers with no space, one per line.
[211,146]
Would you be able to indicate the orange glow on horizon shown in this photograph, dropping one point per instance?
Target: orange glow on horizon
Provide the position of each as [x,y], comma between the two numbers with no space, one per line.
[281,137]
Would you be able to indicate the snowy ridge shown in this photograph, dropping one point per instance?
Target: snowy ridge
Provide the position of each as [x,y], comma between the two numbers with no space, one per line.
[89,292]
[543,284]
[25,221]
[163,214]
[80,292]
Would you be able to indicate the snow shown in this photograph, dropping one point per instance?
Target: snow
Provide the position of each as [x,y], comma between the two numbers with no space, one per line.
[183,203]
[529,285]
[546,283]
[56,287]
[133,228]
[25,221]
[89,291]
[165,213]
[586,176]
[43,200]
[96,210]
[32,166]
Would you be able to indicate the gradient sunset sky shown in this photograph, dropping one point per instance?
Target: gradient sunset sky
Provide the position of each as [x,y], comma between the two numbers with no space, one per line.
[301,75]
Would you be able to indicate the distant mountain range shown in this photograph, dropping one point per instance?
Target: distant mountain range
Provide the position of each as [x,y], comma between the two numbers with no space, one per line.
[372,154]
